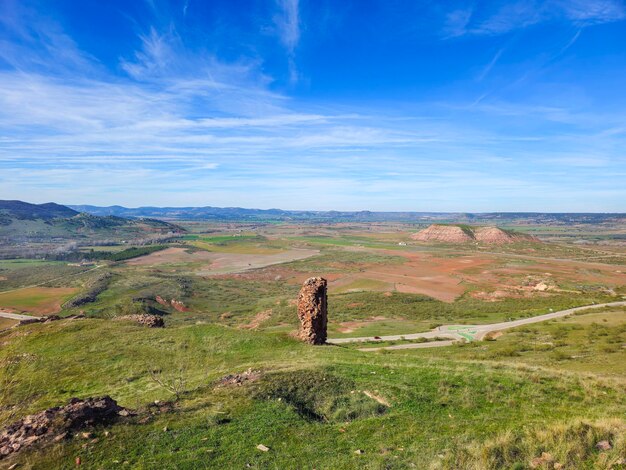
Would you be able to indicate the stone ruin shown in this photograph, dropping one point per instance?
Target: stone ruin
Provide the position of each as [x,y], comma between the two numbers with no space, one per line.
[56,424]
[313,311]
[144,319]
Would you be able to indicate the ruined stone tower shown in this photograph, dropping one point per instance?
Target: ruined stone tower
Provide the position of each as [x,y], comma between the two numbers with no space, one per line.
[312,311]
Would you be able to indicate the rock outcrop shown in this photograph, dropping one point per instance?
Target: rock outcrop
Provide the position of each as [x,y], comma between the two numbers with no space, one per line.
[57,423]
[313,310]
[464,234]
[175,304]
[497,236]
[145,319]
[444,234]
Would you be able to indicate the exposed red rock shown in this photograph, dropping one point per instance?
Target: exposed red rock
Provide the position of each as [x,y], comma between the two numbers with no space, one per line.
[178,305]
[312,310]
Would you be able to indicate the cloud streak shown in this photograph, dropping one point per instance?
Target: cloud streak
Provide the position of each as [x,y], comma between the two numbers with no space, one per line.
[287,22]
[496,18]
[173,125]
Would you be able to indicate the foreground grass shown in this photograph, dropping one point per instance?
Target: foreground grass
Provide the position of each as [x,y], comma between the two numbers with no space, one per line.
[440,410]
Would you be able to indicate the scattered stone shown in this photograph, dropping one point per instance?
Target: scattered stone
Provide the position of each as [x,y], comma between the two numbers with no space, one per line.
[13,467]
[54,424]
[160,407]
[538,462]
[263,448]
[313,311]
[359,451]
[165,429]
[604,445]
[87,435]
[145,319]
[239,379]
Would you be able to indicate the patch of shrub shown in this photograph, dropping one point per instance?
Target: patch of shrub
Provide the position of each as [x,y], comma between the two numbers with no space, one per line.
[94,288]
[506,351]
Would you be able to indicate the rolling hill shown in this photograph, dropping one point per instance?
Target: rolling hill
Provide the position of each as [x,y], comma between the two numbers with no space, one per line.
[464,234]
[263,215]
[35,222]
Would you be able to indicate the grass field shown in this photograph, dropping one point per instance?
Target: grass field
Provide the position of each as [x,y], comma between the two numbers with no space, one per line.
[36,300]
[434,403]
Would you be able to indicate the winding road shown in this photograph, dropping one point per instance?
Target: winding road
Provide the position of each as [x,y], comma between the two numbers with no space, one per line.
[454,333]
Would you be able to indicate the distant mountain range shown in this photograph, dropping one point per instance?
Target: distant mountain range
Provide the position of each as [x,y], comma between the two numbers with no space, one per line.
[21,221]
[271,215]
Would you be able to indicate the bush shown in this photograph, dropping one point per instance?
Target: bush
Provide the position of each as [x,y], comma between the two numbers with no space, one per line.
[94,288]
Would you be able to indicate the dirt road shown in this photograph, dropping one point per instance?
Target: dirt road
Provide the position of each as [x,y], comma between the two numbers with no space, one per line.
[464,332]
[15,316]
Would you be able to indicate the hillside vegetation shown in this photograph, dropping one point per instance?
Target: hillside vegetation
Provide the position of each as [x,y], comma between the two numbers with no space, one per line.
[21,222]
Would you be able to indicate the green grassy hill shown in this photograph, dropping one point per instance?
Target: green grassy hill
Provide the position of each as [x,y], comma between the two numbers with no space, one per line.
[41,222]
[327,407]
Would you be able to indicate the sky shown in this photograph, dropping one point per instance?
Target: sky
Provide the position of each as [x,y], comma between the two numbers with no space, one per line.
[387,105]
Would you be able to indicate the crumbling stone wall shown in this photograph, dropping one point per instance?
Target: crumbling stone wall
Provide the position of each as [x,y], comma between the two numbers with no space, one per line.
[313,310]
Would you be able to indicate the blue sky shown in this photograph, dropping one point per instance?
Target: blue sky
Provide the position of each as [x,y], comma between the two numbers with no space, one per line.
[379,105]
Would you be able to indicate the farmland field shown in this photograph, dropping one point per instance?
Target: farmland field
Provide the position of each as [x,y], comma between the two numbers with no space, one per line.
[36,300]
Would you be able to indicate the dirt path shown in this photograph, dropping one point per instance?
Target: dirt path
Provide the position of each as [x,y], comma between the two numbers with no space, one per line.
[15,316]
[454,333]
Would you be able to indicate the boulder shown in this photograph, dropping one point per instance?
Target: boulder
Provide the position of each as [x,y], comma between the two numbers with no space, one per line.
[312,310]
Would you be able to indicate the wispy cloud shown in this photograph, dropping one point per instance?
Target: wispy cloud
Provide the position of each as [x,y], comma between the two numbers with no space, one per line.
[494,18]
[173,125]
[287,22]
[487,69]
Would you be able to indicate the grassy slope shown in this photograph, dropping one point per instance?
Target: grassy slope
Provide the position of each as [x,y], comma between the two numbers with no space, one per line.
[436,403]
[587,343]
